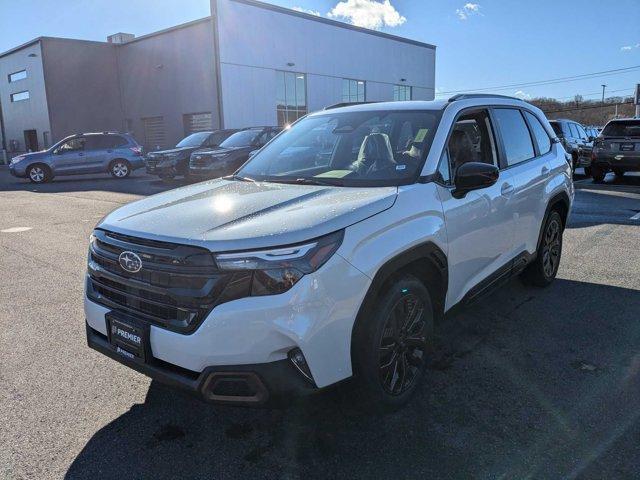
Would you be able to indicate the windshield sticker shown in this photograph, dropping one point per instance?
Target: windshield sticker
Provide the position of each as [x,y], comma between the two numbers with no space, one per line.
[420,136]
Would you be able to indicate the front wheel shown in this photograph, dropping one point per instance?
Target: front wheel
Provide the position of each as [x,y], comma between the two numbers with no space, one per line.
[39,173]
[587,171]
[391,346]
[544,268]
[120,169]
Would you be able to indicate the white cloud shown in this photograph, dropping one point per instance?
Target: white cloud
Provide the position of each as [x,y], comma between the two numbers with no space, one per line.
[522,95]
[368,13]
[628,48]
[467,10]
[307,10]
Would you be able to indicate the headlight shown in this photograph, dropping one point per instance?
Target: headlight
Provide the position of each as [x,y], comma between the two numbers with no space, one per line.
[16,159]
[277,270]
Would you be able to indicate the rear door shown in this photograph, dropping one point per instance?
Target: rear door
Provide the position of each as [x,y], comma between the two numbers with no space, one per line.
[480,225]
[526,153]
[95,153]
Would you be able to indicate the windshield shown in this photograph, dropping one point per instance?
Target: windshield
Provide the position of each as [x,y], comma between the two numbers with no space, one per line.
[194,140]
[246,138]
[628,128]
[349,149]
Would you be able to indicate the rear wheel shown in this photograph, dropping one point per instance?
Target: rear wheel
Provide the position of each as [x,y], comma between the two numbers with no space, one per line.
[544,268]
[120,169]
[39,173]
[587,171]
[618,173]
[391,348]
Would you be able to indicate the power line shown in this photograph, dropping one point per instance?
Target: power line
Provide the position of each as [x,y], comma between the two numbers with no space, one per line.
[595,93]
[551,81]
[587,107]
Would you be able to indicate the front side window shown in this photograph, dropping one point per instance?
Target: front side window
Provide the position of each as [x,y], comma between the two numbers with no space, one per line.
[73,145]
[19,96]
[353,91]
[291,96]
[515,135]
[367,148]
[540,134]
[401,93]
[14,77]
[471,140]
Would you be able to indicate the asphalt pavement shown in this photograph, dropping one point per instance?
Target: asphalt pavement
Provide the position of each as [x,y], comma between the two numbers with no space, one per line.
[526,383]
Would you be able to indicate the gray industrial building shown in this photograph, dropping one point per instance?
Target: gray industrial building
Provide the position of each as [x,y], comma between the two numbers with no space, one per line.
[249,63]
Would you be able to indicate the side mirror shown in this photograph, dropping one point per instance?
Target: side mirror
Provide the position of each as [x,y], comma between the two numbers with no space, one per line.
[474,176]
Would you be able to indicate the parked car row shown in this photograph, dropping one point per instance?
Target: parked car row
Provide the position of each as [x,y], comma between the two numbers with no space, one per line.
[209,154]
[577,142]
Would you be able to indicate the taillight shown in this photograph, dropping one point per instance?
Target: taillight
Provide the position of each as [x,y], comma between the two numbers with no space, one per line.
[136,150]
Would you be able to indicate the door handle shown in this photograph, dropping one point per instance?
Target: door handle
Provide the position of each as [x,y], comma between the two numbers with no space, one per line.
[81,154]
[544,171]
[506,189]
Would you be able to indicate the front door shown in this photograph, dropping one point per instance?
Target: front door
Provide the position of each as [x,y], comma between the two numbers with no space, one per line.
[31,141]
[480,226]
[69,157]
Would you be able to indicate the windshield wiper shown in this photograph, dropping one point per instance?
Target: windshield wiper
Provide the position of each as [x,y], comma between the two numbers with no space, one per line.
[315,181]
[239,178]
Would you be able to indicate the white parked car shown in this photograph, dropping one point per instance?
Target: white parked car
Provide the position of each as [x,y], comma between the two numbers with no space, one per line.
[304,269]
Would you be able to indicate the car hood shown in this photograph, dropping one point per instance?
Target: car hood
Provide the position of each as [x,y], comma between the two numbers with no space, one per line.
[224,215]
[34,155]
[223,151]
[173,150]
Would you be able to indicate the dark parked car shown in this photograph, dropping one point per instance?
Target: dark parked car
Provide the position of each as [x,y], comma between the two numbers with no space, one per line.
[168,164]
[108,152]
[231,153]
[576,141]
[617,149]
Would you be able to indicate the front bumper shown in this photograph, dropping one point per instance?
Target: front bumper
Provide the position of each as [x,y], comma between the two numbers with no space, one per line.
[316,315]
[249,385]
[17,172]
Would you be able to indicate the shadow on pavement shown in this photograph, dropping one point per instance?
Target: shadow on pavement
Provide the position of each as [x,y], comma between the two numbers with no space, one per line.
[524,383]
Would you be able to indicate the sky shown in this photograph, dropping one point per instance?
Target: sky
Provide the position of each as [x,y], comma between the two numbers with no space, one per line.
[483,45]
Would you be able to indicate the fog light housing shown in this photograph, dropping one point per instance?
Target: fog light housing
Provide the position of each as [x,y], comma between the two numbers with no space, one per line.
[297,358]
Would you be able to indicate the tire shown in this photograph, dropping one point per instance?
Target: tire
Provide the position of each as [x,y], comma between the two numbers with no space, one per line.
[618,173]
[598,174]
[39,173]
[544,268]
[392,345]
[120,168]
[587,171]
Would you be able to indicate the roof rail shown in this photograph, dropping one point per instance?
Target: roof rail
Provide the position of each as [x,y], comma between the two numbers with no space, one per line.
[346,104]
[467,96]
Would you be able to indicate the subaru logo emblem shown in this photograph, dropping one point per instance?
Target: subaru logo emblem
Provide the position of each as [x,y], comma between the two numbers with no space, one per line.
[130,262]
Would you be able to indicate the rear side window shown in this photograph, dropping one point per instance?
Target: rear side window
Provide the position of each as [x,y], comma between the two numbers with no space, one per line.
[539,133]
[515,135]
[102,142]
[556,128]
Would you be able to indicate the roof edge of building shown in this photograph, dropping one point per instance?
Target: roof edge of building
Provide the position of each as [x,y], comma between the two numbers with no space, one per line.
[335,23]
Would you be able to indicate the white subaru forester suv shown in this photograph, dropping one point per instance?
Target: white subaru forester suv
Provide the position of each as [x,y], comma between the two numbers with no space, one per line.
[333,252]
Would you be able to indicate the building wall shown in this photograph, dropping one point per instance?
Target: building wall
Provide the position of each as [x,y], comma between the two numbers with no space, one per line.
[169,75]
[255,41]
[82,86]
[31,114]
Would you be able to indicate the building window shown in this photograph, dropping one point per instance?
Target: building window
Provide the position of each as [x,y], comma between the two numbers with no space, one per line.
[19,96]
[197,122]
[46,136]
[154,137]
[291,96]
[353,91]
[14,77]
[401,93]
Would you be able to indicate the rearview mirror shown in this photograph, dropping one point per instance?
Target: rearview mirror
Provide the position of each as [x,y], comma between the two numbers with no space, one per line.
[474,176]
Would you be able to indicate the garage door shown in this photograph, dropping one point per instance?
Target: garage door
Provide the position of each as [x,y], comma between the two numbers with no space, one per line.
[197,122]
[154,135]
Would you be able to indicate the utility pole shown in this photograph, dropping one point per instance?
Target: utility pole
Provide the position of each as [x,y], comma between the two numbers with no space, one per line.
[603,87]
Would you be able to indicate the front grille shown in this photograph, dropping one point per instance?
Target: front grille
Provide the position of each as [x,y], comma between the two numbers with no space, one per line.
[176,288]
[201,162]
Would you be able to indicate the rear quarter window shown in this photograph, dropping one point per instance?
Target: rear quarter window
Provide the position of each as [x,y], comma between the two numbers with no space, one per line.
[539,133]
